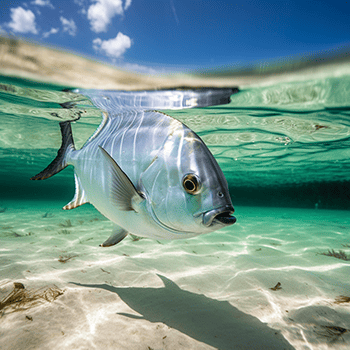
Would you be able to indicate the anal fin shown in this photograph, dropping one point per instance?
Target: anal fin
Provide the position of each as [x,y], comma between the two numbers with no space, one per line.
[118,234]
[79,197]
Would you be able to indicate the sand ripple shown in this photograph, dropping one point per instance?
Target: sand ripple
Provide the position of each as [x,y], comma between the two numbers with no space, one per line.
[210,292]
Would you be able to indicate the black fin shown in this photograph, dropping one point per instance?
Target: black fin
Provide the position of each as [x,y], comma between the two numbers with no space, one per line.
[59,162]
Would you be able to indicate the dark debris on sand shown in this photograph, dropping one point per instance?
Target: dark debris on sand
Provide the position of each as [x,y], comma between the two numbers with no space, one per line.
[277,286]
[342,299]
[48,215]
[333,333]
[339,255]
[65,258]
[21,298]
[66,223]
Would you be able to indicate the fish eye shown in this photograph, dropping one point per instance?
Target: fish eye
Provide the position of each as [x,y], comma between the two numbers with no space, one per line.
[191,184]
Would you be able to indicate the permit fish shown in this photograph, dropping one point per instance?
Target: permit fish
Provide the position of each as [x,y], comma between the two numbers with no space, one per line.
[149,174]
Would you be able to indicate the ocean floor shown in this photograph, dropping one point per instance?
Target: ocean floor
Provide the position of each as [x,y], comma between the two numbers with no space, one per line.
[262,283]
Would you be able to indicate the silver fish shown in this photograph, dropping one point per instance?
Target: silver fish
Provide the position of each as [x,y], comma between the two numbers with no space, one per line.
[149,174]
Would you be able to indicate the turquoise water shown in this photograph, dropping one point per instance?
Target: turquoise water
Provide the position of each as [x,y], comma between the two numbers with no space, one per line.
[281,145]
[285,151]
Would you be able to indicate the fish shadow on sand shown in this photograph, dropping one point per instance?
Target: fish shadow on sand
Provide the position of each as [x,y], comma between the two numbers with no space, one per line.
[216,323]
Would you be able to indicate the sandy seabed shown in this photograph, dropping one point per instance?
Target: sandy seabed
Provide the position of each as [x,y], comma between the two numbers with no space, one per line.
[209,292]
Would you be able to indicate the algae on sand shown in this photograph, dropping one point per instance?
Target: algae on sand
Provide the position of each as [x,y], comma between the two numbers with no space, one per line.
[21,298]
[339,255]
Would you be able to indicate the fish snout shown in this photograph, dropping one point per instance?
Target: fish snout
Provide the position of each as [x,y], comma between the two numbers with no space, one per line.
[220,215]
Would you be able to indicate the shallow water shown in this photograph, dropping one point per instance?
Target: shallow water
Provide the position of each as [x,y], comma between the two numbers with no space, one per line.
[285,150]
[281,145]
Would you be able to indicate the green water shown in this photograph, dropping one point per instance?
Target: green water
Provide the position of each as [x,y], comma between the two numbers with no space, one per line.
[279,145]
[285,144]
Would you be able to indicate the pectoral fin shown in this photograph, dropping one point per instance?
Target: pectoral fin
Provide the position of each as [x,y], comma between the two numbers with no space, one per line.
[123,192]
[118,234]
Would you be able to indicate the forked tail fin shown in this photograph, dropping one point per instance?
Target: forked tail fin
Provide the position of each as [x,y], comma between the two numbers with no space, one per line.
[59,163]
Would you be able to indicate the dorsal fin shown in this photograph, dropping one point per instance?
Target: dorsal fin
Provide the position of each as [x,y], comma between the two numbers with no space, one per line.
[59,163]
[79,197]
[99,128]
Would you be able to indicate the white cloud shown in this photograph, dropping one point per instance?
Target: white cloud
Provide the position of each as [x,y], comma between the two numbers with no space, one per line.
[22,21]
[113,48]
[174,11]
[127,4]
[101,13]
[82,4]
[134,67]
[68,26]
[42,3]
[51,31]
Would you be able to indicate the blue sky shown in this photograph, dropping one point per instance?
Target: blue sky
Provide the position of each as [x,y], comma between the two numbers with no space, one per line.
[166,35]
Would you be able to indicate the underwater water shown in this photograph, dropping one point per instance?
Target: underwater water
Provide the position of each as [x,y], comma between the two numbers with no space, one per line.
[276,279]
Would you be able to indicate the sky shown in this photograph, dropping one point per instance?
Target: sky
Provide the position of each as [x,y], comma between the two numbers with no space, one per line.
[154,36]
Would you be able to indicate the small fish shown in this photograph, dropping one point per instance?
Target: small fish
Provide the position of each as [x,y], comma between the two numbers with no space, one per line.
[149,174]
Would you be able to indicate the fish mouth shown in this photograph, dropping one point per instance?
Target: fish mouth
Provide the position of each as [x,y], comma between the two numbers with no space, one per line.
[221,216]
